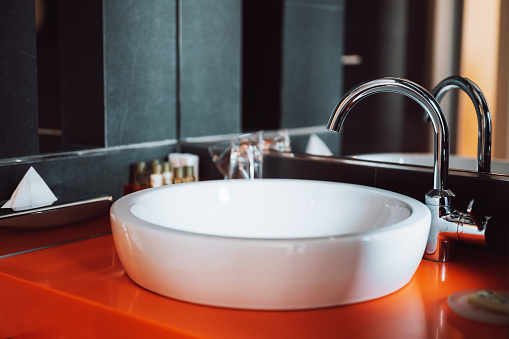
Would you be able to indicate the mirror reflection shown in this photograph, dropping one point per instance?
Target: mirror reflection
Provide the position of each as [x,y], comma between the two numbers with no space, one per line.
[423,41]
[464,38]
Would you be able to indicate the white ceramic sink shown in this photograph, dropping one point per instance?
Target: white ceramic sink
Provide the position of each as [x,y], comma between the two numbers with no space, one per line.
[426,159]
[270,244]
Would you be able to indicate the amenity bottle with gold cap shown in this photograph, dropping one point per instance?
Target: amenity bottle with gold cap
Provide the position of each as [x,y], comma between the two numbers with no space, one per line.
[167,173]
[178,175]
[156,177]
[189,174]
[141,177]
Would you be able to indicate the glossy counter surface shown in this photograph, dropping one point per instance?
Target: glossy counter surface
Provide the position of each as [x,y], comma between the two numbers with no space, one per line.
[80,289]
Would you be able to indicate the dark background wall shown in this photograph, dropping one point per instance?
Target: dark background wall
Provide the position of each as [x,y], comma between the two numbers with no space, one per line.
[310,34]
[391,38]
[210,57]
[124,81]
[18,83]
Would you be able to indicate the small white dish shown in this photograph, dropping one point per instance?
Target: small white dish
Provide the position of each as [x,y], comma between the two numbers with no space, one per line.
[458,302]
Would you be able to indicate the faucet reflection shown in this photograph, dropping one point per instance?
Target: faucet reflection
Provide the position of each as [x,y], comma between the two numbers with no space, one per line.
[447,225]
[483,115]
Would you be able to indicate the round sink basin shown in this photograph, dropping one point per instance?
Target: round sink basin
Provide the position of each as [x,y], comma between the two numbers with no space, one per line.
[270,244]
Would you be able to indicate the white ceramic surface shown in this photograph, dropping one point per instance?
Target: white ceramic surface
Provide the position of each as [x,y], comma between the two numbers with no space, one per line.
[500,166]
[272,244]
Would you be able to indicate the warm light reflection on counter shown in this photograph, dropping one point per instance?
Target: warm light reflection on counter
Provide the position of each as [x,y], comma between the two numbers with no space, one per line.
[82,289]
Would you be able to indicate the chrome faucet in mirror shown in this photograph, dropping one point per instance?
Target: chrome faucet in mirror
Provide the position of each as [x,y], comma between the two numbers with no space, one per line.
[483,115]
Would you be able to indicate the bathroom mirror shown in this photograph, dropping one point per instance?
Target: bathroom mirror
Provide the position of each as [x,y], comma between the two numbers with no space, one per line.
[405,39]
[424,41]
[427,41]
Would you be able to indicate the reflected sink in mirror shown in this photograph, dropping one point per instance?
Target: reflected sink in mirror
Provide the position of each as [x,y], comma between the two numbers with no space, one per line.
[500,166]
[270,244]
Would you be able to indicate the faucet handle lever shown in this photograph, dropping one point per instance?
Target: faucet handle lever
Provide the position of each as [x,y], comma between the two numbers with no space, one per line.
[480,226]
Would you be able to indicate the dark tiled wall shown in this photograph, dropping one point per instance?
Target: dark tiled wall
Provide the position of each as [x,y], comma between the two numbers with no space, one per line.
[118,63]
[120,75]
[210,67]
[18,85]
[311,61]
[140,70]
[135,73]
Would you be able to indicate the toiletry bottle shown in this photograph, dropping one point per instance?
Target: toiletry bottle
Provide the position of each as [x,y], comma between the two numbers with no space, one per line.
[141,178]
[178,175]
[156,177]
[188,174]
[153,163]
[167,173]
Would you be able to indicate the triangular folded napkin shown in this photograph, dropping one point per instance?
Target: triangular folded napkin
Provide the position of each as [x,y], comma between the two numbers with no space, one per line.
[316,146]
[32,192]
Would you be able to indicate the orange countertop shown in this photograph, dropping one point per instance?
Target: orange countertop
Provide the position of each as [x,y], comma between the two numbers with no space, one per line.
[80,290]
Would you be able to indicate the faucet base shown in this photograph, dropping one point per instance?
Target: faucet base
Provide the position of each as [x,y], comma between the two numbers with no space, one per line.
[449,226]
[444,250]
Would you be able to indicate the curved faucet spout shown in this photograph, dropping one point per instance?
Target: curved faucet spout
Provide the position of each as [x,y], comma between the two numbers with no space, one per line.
[424,99]
[483,115]
[447,225]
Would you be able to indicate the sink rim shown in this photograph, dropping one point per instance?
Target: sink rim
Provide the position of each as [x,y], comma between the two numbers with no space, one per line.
[416,208]
[236,272]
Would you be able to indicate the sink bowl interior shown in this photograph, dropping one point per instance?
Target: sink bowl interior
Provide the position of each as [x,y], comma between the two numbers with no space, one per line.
[270,243]
[270,209]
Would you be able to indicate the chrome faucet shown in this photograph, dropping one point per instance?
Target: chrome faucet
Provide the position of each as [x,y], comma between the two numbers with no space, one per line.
[483,115]
[447,225]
